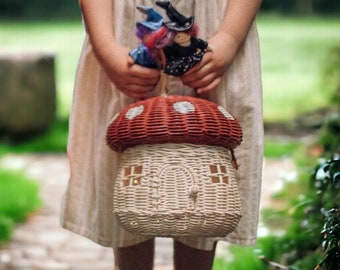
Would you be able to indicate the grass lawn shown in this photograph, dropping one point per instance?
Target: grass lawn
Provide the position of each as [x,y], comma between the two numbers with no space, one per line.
[293,52]
[293,55]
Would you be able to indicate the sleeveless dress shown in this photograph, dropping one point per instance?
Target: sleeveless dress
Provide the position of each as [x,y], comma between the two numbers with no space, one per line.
[87,207]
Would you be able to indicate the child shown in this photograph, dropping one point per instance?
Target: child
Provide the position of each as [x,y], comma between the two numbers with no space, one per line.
[108,79]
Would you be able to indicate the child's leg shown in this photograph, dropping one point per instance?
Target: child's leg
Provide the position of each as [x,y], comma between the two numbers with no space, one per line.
[190,258]
[137,257]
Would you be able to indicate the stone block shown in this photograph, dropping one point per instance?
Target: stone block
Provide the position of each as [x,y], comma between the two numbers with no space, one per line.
[27,92]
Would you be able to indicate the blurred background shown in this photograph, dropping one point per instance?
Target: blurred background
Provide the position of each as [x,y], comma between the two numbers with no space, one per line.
[40,43]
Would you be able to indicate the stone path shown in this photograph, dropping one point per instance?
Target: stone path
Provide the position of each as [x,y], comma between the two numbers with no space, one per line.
[41,244]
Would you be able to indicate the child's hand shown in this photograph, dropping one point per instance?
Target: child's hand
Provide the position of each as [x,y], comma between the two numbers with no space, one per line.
[133,80]
[207,75]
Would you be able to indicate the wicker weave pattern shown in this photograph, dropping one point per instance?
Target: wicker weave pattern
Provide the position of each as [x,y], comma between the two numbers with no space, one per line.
[173,119]
[177,190]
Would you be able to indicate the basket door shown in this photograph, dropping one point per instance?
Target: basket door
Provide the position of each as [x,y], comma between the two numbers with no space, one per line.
[175,181]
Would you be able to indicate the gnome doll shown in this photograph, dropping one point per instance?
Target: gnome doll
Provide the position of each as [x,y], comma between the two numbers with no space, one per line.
[186,50]
[142,55]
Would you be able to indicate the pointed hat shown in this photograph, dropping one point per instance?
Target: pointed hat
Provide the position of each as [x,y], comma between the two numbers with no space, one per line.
[153,20]
[178,21]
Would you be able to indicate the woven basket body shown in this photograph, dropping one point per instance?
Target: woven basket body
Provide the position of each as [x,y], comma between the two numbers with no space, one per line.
[177,190]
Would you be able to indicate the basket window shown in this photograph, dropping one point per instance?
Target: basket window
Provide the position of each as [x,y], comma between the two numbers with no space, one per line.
[219,174]
[132,176]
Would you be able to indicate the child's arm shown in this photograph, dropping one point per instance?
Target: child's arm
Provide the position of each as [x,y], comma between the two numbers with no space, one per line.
[133,80]
[207,75]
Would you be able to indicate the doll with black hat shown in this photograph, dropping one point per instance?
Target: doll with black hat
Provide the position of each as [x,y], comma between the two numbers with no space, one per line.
[186,50]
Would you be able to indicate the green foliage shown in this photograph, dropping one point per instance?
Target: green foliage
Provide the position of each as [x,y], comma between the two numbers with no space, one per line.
[304,222]
[39,9]
[312,235]
[301,6]
[66,9]
[326,181]
[293,51]
[239,258]
[331,74]
[330,133]
[54,140]
[6,228]
[331,239]
[19,196]
[299,246]
[274,148]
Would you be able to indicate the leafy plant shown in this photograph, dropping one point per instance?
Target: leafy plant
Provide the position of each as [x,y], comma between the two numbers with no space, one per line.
[239,258]
[305,226]
[19,196]
[331,74]
[6,228]
[331,242]
[299,246]
[328,177]
[330,133]
[312,236]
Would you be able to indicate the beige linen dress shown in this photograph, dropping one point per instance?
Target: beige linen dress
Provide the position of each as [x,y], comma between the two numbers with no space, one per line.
[87,205]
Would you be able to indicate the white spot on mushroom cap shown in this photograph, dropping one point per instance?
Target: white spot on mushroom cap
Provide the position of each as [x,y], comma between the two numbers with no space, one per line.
[225,113]
[184,107]
[134,112]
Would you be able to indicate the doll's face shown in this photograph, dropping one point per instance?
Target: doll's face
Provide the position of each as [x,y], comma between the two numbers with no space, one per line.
[145,37]
[182,38]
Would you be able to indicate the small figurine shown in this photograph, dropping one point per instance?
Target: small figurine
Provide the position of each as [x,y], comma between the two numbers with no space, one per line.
[186,49]
[142,54]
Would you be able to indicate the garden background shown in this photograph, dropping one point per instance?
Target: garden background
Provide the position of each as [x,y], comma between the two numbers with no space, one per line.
[300,41]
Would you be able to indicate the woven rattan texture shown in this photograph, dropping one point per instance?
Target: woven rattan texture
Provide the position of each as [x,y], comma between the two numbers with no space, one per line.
[177,190]
[173,119]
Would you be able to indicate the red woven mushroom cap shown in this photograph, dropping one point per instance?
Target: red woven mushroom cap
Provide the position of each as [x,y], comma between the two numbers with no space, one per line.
[173,119]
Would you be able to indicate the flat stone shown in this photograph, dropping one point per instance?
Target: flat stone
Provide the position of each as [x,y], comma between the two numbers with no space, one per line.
[20,264]
[163,267]
[10,253]
[51,265]
[72,256]
[92,266]
[52,238]
[35,252]
[25,237]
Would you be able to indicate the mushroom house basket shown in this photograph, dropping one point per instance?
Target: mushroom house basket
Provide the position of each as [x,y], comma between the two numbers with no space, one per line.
[176,175]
